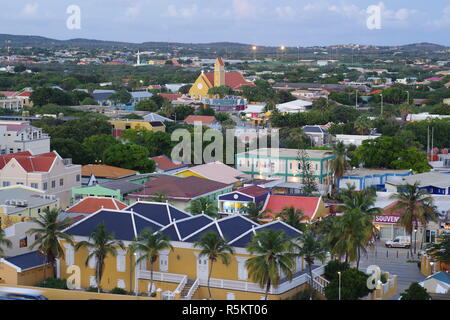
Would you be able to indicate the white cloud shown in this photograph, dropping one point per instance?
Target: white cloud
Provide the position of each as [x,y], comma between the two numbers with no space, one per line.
[444,20]
[30,9]
[244,9]
[400,15]
[286,12]
[187,12]
[134,11]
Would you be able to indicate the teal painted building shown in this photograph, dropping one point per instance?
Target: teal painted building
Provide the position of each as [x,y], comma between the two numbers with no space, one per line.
[271,163]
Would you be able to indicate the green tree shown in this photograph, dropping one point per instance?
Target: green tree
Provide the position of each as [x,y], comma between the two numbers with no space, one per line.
[353,286]
[441,249]
[149,244]
[416,206]
[159,197]
[333,267]
[147,105]
[292,217]
[215,248]
[96,146]
[121,96]
[415,292]
[101,243]
[4,242]
[48,232]
[70,148]
[89,102]
[221,91]
[253,211]
[339,163]
[203,205]
[129,156]
[185,89]
[310,248]
[274,253]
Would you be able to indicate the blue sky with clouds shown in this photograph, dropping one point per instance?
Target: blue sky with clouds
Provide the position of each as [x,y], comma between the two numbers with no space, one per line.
[261,22]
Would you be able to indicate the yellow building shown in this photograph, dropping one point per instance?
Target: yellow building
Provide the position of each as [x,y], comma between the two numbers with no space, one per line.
[219,77]
[121,125]
[18,203]
[25,269]
[180,273]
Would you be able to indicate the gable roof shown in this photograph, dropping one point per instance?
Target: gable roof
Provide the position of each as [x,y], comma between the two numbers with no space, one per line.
[276,203]
[180,189]
[171,96]
[253,191]
[93,204]
[203,119]
[27,260]
[217,171]
[180,226]
[164,163]
[440,276]
[38,163]
[105,171]
[234,80]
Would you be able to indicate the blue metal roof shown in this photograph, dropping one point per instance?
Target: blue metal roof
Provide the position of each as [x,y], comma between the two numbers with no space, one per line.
[158,212]
[171,233]
[117,222]
[441,276]
[188,226]
[27,260]
[142,224]
[235,226]
[197,236]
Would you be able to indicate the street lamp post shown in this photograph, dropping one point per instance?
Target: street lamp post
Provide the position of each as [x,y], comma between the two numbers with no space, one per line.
[415,239]
[339,273]
[381,95]
[356,100]
[254,52]
[407,99]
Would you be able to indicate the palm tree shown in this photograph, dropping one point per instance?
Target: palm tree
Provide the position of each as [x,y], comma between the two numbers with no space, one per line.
[339,164]
[441,250]
[362,125]
[159,197]
[416,206]
[310,249]
[203,205]
[253,211]
[49,229]
[292,217]
[149,244]
[4,241]
[214,247]
[274,252]
[102,244]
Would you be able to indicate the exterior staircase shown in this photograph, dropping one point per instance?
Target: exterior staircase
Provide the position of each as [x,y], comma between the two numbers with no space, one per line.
[187,287]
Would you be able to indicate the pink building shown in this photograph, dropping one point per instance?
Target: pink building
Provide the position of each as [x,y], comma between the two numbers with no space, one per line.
[46,171]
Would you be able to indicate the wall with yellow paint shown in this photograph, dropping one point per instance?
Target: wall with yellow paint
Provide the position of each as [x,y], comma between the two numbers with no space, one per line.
[135,124]
[10,275]
[188,173]
[200,87]
[7,220]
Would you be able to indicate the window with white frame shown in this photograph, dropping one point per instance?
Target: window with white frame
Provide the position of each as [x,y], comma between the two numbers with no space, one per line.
[70,255]
[163,262]
[121,265]
[92,260]
[92,281]
[242,270]
[121,283]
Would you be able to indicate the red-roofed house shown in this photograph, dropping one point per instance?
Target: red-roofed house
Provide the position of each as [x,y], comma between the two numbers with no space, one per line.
[46,171]
[218,78]
[91,205]
[165,165]
[171,96]
[375,92]
[312,207]
[209,121]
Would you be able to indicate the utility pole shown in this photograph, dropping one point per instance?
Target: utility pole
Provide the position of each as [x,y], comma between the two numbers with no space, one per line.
[428,142]
[356,100]
[381,95]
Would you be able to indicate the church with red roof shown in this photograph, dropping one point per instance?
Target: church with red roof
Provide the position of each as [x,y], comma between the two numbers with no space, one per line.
[207,80]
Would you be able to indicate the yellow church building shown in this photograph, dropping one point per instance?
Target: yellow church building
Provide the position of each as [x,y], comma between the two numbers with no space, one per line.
[219,77]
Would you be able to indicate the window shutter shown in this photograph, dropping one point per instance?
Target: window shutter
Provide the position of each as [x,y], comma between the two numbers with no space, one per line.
[121,283]
[121,261]
[92,260]
[92,281]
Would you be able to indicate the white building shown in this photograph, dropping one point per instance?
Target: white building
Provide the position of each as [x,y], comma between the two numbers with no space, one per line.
[18,136]
[11,103]
[294,106]
[355,139]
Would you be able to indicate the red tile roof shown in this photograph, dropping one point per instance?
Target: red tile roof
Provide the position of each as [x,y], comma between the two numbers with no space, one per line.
[203,119]
[276,203]
[180,189]
[171,96]
[8,93]
[25,94]
[38,163]
[164,163]
[105,171]
[93,204]
[375,92]
[253,191]
[233,80]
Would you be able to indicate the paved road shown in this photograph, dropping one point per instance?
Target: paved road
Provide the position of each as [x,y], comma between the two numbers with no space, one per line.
[387,260]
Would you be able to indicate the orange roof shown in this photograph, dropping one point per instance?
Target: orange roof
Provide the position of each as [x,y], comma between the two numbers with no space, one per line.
[104,171]
[203,119]
[375,91]
[171,96]
[276,203]
[93,204]
[38,163]
[220,61]
[234,80]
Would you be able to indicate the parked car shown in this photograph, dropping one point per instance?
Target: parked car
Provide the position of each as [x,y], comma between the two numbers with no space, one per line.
[12,293]
[399,242]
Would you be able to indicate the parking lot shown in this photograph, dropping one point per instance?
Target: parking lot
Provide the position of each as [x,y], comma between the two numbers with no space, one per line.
[394,261]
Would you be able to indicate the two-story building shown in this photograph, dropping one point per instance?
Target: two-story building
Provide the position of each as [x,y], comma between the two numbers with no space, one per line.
[18,136]
[180,273]
[46,171]
[276,163]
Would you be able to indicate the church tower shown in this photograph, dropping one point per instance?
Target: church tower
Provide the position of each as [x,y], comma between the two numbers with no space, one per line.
[219,73]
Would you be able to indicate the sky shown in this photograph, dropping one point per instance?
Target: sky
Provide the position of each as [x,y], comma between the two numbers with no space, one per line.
[259,22]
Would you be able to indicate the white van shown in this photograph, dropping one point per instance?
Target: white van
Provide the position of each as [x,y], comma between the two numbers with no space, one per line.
[399,242]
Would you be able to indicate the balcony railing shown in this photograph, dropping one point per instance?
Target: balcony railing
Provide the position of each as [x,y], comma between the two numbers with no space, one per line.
[161,276]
